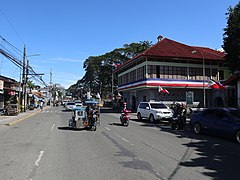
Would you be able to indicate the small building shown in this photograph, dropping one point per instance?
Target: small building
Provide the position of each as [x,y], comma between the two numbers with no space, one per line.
[234,83]
[183,70]
[8,90]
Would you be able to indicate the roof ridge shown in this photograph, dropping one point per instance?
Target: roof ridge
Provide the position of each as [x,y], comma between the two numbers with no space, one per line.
[204,49]
[148,49]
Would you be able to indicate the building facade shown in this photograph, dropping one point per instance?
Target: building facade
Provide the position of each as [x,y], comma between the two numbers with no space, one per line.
[179,68]
[8,90]
[234,83]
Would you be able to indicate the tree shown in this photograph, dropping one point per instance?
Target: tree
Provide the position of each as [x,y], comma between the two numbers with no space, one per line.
[231,38]
[98,75]
[30,85]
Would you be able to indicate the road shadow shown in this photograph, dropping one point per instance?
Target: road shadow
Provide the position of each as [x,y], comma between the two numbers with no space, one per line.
[116,124]
[72,129]
[217,157]
[64,110]
[109,110]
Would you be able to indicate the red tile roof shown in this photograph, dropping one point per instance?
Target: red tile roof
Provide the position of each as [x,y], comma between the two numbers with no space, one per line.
[172,49]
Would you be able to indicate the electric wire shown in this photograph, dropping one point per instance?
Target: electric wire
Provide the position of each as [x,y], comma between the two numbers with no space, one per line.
[10,55]
[10,24]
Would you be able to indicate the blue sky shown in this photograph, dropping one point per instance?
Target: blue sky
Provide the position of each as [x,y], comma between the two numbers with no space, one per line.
[66,32]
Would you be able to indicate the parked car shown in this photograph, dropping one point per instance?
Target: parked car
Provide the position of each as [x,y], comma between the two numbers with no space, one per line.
[154,111]
[70,106]
[220,121]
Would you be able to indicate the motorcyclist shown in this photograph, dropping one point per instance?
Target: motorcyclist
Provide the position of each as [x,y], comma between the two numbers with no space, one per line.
[180,111]
[90,110]
[124,112]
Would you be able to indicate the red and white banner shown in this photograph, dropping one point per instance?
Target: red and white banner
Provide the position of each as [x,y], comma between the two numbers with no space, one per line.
[172,83]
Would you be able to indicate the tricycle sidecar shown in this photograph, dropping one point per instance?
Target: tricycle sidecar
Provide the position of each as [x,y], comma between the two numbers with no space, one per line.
[80,119]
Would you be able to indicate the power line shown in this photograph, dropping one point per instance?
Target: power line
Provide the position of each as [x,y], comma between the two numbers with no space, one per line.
[9,55]
[18,51]
[10,24]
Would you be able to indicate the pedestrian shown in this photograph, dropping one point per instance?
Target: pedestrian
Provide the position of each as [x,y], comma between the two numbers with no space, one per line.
[41,105]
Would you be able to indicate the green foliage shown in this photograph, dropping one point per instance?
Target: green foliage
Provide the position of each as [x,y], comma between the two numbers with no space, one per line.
[30,85]
[231,38]
[98,75]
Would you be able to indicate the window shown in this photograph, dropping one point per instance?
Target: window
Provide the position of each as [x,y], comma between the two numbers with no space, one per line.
[143,105]
[144,98]
[158,106]
[158,71]
[152,71]
[141,73]
[221,74]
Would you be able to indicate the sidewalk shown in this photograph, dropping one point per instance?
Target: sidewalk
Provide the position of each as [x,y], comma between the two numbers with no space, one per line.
[11,120]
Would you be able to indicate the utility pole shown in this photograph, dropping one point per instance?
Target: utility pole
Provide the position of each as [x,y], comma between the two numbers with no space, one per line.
[51,88]
[24,80]
[25,90]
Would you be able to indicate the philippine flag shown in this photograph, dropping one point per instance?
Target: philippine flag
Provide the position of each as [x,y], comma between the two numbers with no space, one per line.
[215,85]
[160,89]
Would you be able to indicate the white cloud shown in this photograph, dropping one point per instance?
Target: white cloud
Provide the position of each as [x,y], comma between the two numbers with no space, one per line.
[66,60]
[66,79]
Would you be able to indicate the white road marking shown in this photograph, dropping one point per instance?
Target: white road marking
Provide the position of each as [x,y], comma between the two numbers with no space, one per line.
[123,139]
[52,127]
[39,158]
[118,135]
[108,128]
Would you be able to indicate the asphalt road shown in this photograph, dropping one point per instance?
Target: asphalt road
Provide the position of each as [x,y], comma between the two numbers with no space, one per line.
[42,147]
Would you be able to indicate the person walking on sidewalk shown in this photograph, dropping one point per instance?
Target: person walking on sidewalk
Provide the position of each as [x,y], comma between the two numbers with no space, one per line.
[41,105]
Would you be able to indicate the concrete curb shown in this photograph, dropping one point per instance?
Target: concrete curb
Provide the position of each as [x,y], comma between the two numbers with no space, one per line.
[22,116]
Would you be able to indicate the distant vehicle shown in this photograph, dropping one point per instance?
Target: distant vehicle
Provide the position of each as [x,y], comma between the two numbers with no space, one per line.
[11,109]
[154,111]
[220,121]
[78,103]
[70,106]
[64,102]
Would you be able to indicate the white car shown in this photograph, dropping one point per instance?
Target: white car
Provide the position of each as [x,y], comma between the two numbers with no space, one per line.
[70,106]
[154,111]
[78,103]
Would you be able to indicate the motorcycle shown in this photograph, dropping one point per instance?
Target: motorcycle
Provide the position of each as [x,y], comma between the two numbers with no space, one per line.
[92,121]
[175,121]
[125,117]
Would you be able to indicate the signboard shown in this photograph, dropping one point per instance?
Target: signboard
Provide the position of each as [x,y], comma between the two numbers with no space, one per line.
[189,97]
[1,86]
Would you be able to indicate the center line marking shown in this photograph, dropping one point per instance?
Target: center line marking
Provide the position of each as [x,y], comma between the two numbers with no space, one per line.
[39,158]
[125,140]
[108,128]
[52,127]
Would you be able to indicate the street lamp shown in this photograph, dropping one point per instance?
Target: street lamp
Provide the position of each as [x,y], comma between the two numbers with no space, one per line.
[203,69]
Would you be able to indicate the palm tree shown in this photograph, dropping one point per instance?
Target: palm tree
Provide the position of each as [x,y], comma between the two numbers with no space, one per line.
[30,85]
